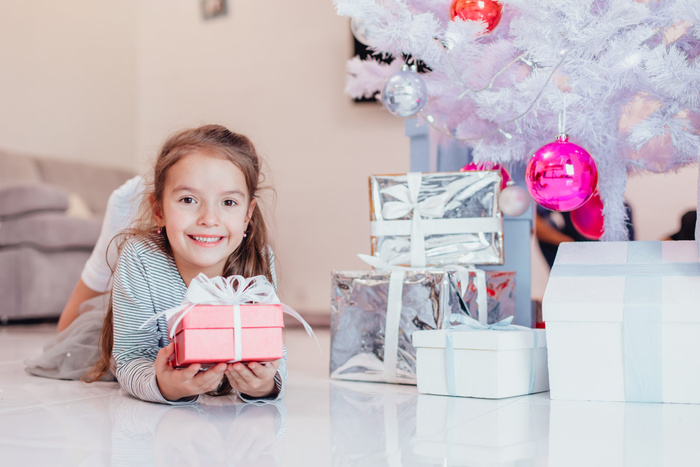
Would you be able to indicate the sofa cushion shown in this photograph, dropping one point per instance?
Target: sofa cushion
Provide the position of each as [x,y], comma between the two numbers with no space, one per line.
[36,284]
[92,183]
[16,168]
[22,198]
[49,231]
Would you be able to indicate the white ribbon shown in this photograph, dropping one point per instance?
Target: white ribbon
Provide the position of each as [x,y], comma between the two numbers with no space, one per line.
[232,290]
[432,207]
[393,321]
[407,196]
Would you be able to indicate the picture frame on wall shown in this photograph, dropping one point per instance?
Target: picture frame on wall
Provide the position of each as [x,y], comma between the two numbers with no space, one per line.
[213,9]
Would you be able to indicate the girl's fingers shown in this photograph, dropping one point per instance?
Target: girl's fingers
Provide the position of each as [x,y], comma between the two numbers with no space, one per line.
[245,373]
[234,377]
[262,370]
[191,371]
[210,378]
[164,354]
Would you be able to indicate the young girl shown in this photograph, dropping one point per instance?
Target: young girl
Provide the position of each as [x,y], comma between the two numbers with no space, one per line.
[202,217]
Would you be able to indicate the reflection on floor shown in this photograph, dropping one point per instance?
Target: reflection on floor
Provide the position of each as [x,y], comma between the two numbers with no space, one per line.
[323,423]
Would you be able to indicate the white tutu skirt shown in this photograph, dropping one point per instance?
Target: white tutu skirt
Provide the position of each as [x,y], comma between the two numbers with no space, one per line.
[70,354]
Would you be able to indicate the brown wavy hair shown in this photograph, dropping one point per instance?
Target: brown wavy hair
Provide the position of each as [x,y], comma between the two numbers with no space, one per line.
[251,258]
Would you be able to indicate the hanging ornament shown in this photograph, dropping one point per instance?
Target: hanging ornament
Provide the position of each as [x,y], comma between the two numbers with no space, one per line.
[588,219]
[561,176]
[514,200]
[488,11]
[475,166]
[405,93]
[363,30]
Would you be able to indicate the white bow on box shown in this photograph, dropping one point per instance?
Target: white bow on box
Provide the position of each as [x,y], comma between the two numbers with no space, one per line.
[232,290]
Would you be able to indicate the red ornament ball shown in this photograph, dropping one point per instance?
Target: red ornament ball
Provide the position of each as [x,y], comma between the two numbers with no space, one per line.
[588,219]
[561,176]
[489,11]
[474,166]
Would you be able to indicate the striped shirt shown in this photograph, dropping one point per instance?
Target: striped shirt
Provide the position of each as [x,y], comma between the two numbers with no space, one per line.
[147,282]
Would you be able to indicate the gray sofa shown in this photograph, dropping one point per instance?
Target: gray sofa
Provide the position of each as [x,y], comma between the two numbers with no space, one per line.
[50,216]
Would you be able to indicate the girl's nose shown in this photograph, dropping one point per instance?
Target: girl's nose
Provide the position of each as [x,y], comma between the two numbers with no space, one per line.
[208,215]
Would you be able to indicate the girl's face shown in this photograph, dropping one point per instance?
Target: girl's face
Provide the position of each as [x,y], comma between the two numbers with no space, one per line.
[205,211]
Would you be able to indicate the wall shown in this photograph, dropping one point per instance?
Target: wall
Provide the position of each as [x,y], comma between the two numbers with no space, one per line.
[276,73]
[68,79]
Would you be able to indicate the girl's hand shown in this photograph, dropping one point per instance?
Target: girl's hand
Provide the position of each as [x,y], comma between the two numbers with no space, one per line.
[175,384]
[255,379]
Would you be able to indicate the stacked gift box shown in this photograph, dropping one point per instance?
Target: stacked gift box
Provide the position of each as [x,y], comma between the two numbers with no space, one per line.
[429,232]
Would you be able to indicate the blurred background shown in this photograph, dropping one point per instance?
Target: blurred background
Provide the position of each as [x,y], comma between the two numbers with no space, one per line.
[107,82]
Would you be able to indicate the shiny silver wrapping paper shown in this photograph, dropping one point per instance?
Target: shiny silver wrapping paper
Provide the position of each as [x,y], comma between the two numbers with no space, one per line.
[358,320]
[500,295]
[476,198]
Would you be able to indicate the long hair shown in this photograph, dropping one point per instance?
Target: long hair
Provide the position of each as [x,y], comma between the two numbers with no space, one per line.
[251,258]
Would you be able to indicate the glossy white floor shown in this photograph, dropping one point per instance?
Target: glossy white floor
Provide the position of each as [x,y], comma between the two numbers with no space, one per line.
[323,423]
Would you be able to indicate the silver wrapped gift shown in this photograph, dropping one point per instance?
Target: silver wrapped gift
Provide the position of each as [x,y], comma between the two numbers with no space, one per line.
[374,314]
[437,219]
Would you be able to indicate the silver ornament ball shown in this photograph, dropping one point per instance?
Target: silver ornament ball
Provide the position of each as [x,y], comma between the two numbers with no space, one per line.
[405,93]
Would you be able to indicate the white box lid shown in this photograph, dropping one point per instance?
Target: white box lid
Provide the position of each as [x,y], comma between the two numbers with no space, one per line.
[582,295]
[482,340]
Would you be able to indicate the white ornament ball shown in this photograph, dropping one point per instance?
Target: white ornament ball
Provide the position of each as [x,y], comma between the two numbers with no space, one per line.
[405,93]
[514,200]
[364,31]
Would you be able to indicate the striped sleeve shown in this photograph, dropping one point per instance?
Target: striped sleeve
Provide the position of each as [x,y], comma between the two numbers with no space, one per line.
[135,348]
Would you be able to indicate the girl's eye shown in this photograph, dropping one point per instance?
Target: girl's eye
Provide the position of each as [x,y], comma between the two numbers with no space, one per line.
[187,200]
[229,202]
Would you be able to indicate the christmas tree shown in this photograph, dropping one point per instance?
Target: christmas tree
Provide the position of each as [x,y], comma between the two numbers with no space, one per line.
[620,77]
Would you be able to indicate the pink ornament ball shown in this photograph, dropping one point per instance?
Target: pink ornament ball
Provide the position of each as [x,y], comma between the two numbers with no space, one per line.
[588,219]
[476,166]
[561,176]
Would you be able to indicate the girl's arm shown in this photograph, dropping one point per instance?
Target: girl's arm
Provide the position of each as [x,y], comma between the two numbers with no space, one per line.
[136,348]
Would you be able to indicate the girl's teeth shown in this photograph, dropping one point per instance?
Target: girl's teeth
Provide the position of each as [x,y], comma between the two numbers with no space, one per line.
[207,239]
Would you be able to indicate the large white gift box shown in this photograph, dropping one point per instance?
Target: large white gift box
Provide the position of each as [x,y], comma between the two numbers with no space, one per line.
[488,364]
[623,322]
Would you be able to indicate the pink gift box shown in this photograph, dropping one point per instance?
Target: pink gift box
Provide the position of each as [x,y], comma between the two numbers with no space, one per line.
[206,334]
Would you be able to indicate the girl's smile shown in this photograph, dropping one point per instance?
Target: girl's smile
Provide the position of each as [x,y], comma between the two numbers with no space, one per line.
[206,240]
